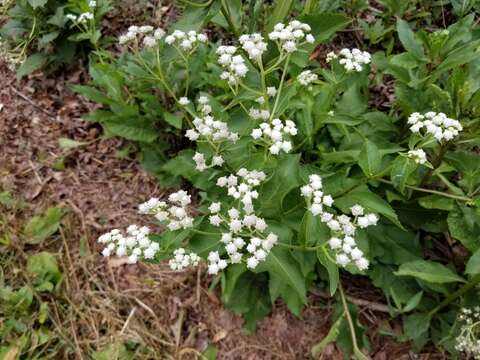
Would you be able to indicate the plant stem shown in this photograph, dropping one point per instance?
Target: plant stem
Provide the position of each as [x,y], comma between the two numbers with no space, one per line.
[435,163]
[279,92]
[451,196]
[226,14]
[475,280]
[356,349]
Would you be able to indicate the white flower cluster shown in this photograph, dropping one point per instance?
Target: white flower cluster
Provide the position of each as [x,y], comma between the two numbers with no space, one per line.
[207,129]
[136,245]
[438,125]
[306,77]
[243,229]
[343,226]
[176,215]
[292,35]
[418,155]
[468,340]
[254,45]
[274,135]
[351,60]
[186,40]
[82,18]
[257,114]
[182,260]
[234,65]
[150,35]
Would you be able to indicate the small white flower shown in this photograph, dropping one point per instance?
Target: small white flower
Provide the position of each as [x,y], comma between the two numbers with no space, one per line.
[183,101]
[357,210]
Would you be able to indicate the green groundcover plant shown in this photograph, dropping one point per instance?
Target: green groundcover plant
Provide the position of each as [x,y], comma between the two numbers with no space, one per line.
[297,177]
[46,33]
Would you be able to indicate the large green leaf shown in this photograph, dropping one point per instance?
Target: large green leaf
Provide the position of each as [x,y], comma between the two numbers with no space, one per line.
[464,227]
[332,270]
[37,3]
[285,178]
[370,159]
[429,271]
[281,263]
[281,9]
[402,169]
[325,25]
[32,63]
[370,201]
[409,41]
[312,231]
[40,227]
[473,264]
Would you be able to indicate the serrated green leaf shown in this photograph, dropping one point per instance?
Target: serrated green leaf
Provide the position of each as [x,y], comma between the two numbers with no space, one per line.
[409,41]
[413,302]
[281,263]
[32,63]
[370,201]
[473,264]
[325,25]
[370,159]
[429,271]
[40,227]
[402,169]
[332,269]
[331,337]
[37,3]
[172,119]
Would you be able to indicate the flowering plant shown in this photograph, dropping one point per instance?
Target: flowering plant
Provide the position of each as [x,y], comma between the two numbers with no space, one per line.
[46,33]
[300,178]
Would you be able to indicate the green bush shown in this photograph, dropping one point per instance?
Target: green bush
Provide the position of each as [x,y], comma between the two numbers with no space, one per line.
[46,33]
[299,177]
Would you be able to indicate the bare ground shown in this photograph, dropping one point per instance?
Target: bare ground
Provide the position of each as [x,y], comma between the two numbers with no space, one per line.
[174,315]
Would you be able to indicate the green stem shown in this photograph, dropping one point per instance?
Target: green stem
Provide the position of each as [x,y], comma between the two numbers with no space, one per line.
[435,163]
[474,281]
[302,248]
[279,92]
[451,196]
[358,353]
[226,14]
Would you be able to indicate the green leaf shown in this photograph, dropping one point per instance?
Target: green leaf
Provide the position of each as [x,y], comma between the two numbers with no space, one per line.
[409,41]
[332,269]
[416,325]
[312,230]
[40,227]
[413,302]
[281,9]
[370,159]
[370,201]
[32,63]
[131,128]
[281,263]
[429,271]
[331,337]
[68,144]
[437,202]
[325,25]
[402,168]
[174,120]
[92,94]
[37,3]
[463,227]
[285,178]
[44,267]
[473,264]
